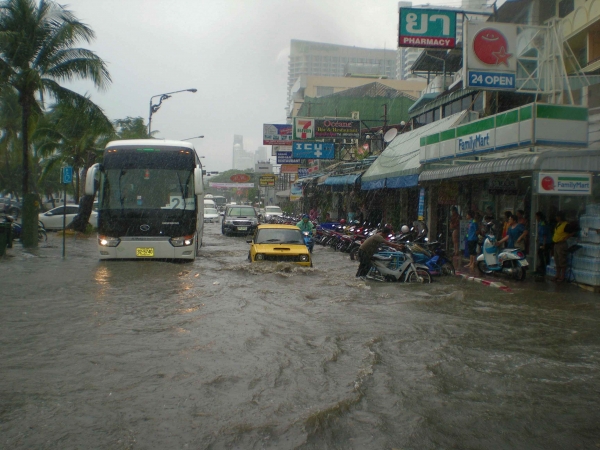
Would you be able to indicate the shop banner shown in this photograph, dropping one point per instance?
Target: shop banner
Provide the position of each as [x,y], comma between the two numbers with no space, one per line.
[421,211]
[267,180]
[295,192]
[337,129]
[274,134]
[489,55]
[427,28]
[314,150]
[230,185]
[289,168]
[287,158]
[564,183]
[304,128]
[502,186]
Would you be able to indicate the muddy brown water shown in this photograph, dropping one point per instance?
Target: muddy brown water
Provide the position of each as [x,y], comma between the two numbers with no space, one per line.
[221,354]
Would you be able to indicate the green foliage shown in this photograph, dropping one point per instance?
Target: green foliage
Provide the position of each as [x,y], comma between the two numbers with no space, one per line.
[132,128]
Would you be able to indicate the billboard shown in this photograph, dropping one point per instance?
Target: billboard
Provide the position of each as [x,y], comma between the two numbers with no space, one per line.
[274,134]
[287,158]
[427,28]
[337,129]
[289,168]
[267,180]
[304,128]
[314,150]
[489,55]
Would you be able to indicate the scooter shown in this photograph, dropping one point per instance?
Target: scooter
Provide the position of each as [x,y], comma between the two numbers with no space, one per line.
[397,266]
[16,230]
[509,261]
[308,240]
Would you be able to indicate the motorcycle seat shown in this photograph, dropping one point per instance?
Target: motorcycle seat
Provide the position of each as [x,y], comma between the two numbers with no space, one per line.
[381,258]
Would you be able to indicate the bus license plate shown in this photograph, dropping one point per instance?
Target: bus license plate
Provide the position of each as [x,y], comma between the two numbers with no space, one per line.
[242,228]
[144,252]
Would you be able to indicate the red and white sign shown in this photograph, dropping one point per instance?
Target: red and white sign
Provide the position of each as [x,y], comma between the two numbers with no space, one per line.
[491,46]
[289,168]
[240,178]
[304,128]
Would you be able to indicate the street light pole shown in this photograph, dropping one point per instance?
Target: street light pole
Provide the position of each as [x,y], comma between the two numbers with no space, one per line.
[154,108]
[195,137]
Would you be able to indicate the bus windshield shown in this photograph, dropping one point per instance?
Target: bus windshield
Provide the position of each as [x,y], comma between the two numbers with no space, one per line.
[147,189]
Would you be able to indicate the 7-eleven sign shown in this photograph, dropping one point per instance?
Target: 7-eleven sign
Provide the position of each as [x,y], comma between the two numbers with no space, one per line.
[304,128]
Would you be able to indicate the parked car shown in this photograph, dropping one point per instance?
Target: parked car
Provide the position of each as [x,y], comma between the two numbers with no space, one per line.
[211,215]
[53,219]
[239,219]
[280,243]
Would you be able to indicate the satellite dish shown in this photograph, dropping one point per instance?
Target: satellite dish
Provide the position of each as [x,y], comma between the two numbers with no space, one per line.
[390,135]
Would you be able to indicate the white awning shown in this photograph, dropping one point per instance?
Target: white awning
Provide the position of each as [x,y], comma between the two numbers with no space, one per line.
[548,160]
[401,157]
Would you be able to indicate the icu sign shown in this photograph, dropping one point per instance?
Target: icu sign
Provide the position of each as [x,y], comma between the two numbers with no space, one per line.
[565,183]
[490,61]
[427,28]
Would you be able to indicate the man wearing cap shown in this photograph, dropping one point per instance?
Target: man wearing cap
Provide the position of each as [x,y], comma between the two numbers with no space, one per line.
[305,224]
[369,248]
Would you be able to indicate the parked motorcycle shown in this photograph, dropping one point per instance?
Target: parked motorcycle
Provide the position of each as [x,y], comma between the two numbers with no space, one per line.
[397,266]
[17,230]
[509,261]
[433,256]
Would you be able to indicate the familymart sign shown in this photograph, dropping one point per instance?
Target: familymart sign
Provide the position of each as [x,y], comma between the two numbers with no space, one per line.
[564,183]
[534,124]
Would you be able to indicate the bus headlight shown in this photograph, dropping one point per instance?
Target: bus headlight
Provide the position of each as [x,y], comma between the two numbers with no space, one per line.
[304,258]
[107,241]
[182,241]
[259,257]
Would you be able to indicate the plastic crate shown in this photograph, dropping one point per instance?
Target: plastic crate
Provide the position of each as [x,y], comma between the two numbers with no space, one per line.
[586,263]
[589,221]
[588,249]
[587,277]
[593,209]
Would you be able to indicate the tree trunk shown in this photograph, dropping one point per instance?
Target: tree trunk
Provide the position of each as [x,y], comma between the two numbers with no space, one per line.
[29,218]
[86,205]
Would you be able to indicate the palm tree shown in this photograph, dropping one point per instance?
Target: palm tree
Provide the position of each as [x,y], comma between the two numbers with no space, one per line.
[132,128]
[10,124]
[37,53]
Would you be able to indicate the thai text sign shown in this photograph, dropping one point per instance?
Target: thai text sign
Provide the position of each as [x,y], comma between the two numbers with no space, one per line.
[267,180]
[489,55]
[314,150]
[302,172]
[230,185]
[274,134]
[337,128]
[286,158]
[289,168]
[240,178]
[564,183]
[427,28]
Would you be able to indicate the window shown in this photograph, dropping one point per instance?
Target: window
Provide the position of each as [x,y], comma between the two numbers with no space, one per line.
[436,114]
[465,103]
[565,7]
[324,90]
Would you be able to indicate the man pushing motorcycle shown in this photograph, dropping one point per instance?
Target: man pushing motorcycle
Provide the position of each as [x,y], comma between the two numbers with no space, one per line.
[370,247]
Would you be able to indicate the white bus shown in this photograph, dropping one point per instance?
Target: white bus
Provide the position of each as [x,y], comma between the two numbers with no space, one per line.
[150,200]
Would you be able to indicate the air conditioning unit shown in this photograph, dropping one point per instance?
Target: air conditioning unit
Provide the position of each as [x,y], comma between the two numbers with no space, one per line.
[355,115]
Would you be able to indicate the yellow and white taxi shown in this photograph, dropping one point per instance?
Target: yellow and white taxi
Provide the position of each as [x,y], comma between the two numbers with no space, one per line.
[279,243]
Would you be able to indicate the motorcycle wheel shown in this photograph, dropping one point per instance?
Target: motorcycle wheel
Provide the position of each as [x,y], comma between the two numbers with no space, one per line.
[42,236]
[374,274]
[420,276]
[519,272]
[447,268]
[483,268]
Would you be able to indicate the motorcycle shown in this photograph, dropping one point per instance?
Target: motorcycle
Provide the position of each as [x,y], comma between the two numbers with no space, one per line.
[397,266]
[509,261]
[17,230]
[433,256]
[308,240]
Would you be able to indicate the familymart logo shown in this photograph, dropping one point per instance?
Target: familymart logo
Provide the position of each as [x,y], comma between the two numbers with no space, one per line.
[568,183]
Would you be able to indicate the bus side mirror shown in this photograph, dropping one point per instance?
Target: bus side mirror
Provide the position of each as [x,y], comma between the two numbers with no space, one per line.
[198,181]
[90,179]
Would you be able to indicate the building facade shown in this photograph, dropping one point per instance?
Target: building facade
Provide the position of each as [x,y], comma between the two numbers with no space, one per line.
[331,60]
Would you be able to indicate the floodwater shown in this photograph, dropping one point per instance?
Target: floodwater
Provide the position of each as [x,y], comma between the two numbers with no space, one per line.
[222,354]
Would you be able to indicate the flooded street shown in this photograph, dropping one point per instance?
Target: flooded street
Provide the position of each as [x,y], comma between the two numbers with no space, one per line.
[223,354]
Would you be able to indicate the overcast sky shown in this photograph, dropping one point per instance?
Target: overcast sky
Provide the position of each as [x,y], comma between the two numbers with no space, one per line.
[235,52]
